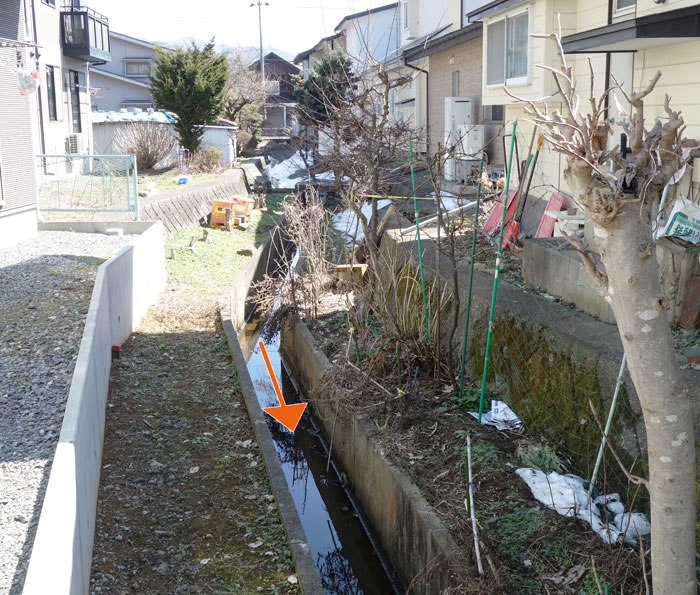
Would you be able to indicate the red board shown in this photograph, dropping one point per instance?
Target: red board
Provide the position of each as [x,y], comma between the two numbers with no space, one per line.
[546,226]
[493,223]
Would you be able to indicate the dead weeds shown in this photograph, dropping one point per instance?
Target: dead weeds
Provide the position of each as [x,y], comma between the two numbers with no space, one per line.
[421,426]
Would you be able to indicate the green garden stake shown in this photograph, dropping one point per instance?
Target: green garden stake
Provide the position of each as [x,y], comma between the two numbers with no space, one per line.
[420,251]
[495,275]
[471,278]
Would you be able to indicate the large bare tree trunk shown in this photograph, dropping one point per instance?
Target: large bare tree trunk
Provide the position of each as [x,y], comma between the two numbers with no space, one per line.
[627,250]
[622,201]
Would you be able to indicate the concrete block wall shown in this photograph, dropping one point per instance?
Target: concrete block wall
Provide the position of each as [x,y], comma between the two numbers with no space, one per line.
[124,288]
[186,206]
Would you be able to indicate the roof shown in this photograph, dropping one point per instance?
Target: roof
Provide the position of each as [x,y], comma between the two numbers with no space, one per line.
[277,58]
[438,44]
[357,15]
[137,41]
[490,8]
[421,41]
[306,53]
[134,115]
[150,115]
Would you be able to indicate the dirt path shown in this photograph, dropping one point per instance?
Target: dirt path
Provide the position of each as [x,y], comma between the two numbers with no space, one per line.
[184,505]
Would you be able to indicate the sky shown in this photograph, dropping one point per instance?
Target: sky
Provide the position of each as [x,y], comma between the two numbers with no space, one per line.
[289,25]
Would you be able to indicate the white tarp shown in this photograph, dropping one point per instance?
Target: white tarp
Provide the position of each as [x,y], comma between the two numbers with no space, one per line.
[566,495]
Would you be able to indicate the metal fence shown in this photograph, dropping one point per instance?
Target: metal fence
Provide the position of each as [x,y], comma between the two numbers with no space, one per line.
[88,183]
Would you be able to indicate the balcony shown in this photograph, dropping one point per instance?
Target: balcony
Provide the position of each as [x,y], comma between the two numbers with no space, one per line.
[85,34]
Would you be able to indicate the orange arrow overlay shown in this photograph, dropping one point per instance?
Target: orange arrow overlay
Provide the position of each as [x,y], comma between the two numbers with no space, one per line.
[287,415]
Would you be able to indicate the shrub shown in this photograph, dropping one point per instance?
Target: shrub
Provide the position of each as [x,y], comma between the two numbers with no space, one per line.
[208,160]
[250,120]
[148,141]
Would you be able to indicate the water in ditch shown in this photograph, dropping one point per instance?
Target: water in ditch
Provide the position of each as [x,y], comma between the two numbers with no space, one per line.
[348,556]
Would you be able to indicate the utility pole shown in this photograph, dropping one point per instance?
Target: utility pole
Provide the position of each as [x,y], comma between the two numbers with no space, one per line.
[262,56]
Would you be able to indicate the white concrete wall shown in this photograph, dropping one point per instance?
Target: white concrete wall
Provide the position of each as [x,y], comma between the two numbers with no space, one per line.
[17,226]
[124,288]
[220,137]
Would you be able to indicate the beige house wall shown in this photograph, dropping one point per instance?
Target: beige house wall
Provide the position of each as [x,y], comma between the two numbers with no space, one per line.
[466,59]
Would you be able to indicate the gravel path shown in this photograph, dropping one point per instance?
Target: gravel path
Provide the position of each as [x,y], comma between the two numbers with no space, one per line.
[45,288]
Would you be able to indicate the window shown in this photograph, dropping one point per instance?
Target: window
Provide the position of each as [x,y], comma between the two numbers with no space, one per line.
[51,93]
[76,79]
[455,83]
[51,3]
[624,4]
[273,87]
[137,68]
[494,113]
[405,14]
[507,46]
[143,104]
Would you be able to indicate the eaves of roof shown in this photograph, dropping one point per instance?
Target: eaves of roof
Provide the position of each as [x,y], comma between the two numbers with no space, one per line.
[441,43]
[124,79]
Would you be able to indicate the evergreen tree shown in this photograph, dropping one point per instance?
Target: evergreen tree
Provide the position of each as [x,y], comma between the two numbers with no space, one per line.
[191,82]
[327,87]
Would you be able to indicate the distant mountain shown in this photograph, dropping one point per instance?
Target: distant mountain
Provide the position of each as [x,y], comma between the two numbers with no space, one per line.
[250,52]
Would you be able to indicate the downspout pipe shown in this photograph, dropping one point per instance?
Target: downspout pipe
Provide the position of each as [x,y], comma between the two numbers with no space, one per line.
[404,62]
[38,94]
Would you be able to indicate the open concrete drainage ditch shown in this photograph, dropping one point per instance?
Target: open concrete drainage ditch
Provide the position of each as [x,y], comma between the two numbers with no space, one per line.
[337,548]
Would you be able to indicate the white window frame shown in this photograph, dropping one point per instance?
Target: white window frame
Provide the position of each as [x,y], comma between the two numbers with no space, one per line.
[128,61]
[405,15]
[625,10]
[274,87]
[515,81]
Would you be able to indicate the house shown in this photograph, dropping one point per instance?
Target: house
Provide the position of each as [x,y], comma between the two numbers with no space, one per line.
[437,38]
[123,82]
[625,39]
[278,111]
[18,196]
[58,45]
[71,39]
[307,59]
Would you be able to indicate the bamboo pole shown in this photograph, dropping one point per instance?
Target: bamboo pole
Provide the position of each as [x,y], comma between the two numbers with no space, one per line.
[608,424]
[471,280]
[420,250]
[495,275]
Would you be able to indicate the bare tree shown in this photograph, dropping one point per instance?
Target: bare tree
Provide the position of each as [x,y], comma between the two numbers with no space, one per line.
[244,85]
[623,204]
[148,141]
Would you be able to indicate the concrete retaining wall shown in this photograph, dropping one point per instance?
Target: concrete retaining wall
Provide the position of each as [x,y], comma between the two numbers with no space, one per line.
[124,288]
[234,310]
[411,533]
[189,205]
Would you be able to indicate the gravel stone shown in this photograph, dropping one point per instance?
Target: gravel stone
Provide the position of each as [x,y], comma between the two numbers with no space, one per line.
[45,288]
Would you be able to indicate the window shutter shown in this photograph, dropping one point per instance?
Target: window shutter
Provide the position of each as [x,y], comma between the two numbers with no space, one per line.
[495,53]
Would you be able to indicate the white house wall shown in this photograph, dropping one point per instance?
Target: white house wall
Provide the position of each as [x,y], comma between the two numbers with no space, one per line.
[373,38]
[112,92]
[18,208]
[109,94]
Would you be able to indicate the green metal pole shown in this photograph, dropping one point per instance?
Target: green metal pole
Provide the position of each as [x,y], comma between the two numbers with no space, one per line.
[495,275]
[420,251]
[471,279]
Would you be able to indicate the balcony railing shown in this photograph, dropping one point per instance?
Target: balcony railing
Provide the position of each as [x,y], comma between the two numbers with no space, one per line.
[85,34]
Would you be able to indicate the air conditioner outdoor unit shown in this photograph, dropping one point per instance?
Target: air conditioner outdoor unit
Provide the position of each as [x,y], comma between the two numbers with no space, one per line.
[76,144]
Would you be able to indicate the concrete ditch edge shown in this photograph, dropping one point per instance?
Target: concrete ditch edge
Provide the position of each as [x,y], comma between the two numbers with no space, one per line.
[413,536]
[125,286]
[232,309]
